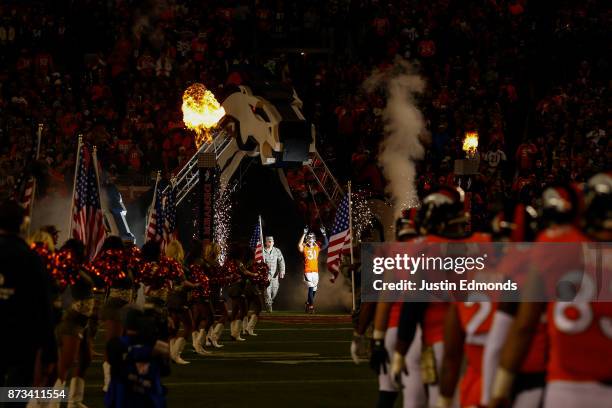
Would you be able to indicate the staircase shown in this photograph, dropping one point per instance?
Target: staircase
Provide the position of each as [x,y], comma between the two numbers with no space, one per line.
[229,156]
[188,177]
[326,180]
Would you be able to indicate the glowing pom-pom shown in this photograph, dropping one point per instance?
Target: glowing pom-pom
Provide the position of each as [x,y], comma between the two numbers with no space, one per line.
[67,267]
[48,260]
[199,277]
[112,266]
[263,278]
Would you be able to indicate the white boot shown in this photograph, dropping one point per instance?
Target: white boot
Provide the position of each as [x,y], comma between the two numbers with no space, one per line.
[245,324]
[209,335]
[233,329]
[172,347]
[75,393]
[202,337]
[179,346]
[106,369]
[59,384]
[216,335]
[240,330]
[176,348]
[236,329]
[196,338]
[251,325]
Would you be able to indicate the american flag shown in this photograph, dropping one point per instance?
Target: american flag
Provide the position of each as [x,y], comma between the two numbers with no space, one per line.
[155,226]
[28,194]
[340,240]
[23,192]
[169,217]
[256,244]
[87,215]
[162,218]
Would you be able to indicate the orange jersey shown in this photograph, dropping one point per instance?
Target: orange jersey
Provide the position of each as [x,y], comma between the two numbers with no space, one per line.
[433,324]
[394,314]
[536,359]
[311,258]
[580,341]
[561,233]
[513,265]
[476,319]
[581,332]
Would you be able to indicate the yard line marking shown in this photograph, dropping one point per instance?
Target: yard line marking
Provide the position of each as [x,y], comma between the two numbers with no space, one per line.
[295,362]
[347,341]
[264,382]
[305,329]
[260,354]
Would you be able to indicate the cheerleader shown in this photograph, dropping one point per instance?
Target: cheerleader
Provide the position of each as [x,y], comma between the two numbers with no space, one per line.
[238,277]
[201,306]
[152,275]
[177,303]
[115,266]
[43,244]
[255,290]
[217,282]
[75,351]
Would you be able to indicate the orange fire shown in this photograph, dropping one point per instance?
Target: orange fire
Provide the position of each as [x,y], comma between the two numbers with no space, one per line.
[470,144]
[201,112]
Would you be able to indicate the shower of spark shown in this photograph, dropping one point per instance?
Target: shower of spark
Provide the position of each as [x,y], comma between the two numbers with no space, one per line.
[223,220]
[361,214]
[201,112]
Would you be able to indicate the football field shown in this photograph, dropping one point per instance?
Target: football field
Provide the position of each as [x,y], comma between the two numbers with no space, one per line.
[295,361]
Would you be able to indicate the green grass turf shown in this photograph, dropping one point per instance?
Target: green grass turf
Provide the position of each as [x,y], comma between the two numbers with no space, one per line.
[295,361]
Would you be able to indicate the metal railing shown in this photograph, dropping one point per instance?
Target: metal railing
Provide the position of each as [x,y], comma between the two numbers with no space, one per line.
[188,177]
[325,179]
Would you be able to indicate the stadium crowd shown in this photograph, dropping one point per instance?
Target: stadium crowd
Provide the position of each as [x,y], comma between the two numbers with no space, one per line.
[526,77]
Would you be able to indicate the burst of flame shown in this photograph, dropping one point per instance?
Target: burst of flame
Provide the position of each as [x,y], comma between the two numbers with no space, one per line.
[201,112]
[470,144]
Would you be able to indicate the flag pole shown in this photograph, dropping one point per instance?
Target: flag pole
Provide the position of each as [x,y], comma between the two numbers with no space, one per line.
[39,138]
[76,171]
[148,220]
[350,211]
[31,209]
[95,164]
[261,234]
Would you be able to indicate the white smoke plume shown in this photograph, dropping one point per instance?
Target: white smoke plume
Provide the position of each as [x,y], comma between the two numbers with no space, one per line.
[53,209]
[404,123]
[331,297]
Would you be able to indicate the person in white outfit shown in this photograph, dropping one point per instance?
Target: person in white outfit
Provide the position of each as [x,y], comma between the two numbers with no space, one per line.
[273,257]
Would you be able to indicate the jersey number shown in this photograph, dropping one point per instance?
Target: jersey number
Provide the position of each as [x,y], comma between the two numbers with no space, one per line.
[311,254]
[580,308]
[477,320]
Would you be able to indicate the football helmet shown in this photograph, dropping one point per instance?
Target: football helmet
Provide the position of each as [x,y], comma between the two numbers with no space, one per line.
[560,204]
[598,202]
[443,207]
[516,222]
[405,225]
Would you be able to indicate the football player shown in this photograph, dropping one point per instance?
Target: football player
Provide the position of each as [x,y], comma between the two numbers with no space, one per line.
[309,246]
[386,321]
[441,219]
[515,223]
[579,372]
